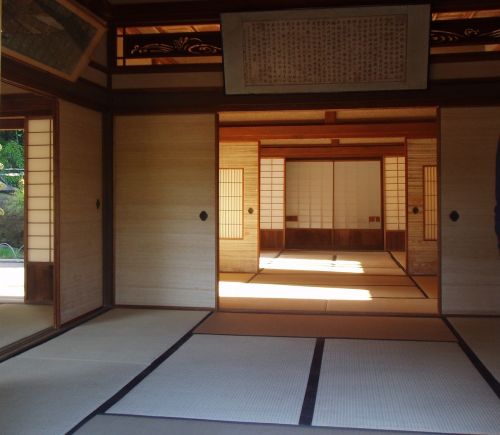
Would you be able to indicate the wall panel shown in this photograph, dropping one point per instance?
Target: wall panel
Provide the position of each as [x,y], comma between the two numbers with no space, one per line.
[242,255]
[470,259]
[164,178]
[80,146]
[422,254]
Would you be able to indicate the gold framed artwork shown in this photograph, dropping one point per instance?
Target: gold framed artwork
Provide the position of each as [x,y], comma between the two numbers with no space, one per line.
[56,36]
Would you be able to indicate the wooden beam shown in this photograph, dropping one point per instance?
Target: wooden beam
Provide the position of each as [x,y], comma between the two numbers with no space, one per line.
[443,93]
[27,105]
[332,152]
[334,131]
[209,11]
[80,92]
[12,124]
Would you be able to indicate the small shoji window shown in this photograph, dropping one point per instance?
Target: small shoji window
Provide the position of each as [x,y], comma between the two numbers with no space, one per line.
[40,190]
[395,193]
[272,186]
[230,203]
[430,203]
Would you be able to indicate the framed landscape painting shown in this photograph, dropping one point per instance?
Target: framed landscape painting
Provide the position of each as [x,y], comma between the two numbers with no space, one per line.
[54,35]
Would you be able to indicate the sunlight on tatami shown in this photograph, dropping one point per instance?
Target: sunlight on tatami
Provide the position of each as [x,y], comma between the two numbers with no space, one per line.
[314,265]
[274,291]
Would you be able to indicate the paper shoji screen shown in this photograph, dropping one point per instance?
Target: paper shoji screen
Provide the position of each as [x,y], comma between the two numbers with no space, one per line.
[357,195]
[395,193]
[40,190]
[272,188]
[309,194]
[430,203]
[231,203]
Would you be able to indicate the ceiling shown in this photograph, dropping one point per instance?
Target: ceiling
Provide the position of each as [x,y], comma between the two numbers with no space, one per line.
[124,2]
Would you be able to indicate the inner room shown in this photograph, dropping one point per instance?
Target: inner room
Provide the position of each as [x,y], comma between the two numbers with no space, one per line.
[329,210]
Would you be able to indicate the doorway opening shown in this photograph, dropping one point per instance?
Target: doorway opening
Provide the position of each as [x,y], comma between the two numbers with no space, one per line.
[336,211]
[26,218]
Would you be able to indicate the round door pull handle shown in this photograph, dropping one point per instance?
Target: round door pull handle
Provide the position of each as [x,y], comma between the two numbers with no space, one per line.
[250,210]
[454,216]
[415,210]
[203,215]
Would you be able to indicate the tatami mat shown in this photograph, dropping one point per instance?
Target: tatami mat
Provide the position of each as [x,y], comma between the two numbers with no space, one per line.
[235,277]
[400,257]
[41,396]
[385,305]
[293,325]
[429,284]
[396,291]
[398,386]
[122,335]
[325,278]
[482,335]
[250,379]
[18,321]
[133,425]
[373,306]
[50,388]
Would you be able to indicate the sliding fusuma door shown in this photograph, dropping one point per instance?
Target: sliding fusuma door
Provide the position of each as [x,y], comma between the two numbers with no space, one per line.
[165,214]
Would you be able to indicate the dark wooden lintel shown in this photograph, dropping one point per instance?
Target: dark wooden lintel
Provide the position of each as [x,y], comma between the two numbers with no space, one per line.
[209,11]
[81,92]
[332,152]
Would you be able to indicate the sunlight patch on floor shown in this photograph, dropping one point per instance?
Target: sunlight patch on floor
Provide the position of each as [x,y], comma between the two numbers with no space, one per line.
[275,291]
[315,265]
[11,281]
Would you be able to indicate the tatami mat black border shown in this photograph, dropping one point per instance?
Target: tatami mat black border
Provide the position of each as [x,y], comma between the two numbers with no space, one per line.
[137,379]
[307,412]
[478,364]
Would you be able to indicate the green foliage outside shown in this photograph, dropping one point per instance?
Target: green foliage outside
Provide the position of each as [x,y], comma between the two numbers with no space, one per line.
[11,193]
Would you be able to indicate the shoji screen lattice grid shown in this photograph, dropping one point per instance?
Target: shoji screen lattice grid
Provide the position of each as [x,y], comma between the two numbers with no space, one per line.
[430,203]
[272,187]
[40,190]
[395,193]
[231,203]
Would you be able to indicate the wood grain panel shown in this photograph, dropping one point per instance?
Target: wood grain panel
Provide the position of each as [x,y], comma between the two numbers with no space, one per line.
[422,254]
[80,244]
[395,240]
[272,239]
[470,259]
[298,238]
[242,255]
[40,283]
[164,177]
[354,239]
